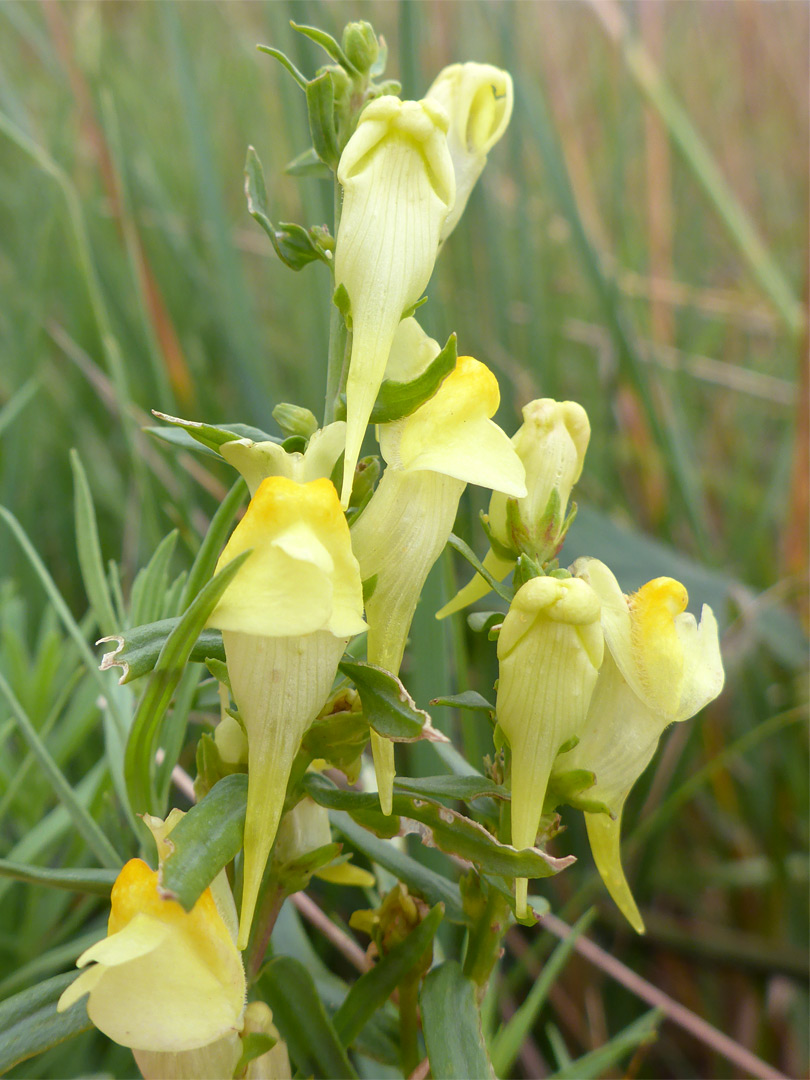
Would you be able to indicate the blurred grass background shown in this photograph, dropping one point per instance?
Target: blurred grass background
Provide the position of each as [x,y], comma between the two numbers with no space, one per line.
[637,242]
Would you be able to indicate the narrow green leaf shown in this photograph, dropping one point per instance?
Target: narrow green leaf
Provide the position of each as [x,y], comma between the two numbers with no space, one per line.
[82,819]
[138,649]
[321,109]
[426,883]
[443,828]
[206,558]
[465,788]
[18,400]
[205,840]
[452,1025]
[372,990]
[498,587]
[139,765]
[508,1041]
[212,437]
[151,582]
[600,1061]
[285,62]
[469,699]
[47,963]
[97,882]
[87,542]
[388,706]
[292,243]
[30,1024]
[298,1013]
[328,44]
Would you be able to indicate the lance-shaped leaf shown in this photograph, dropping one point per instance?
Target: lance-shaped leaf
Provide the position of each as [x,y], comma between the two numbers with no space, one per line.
[94,882]
[388,707]
[440,827]
[209,435]
[138,649]
[452,1025]
[30,1024]
[293,244]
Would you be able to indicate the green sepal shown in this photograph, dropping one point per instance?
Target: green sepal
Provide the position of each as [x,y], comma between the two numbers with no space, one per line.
[484,622]
[413,308]
[340,298]
[378,67]
[219,669]
[508,554]
[295,420]
[294,876]
[366,476]
[294,245]
[525,569]
[285,62]
[396,400]
[339,738]
[254,1044]
[210,766]
[469,699]
[387,705]
[369,588]
[567,788]
[321,110]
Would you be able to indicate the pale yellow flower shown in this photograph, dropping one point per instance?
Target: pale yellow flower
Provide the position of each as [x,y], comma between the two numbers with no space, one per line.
[550,650]
[478,100]
[163,979]
[258,460]
[662,667]
[431,455]
[285,619]
[398,187]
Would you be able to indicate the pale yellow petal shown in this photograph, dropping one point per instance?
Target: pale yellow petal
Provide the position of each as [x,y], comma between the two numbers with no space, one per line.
[478,587]
[256,461]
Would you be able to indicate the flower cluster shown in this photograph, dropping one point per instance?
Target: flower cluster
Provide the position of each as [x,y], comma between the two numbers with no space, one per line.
[588,677]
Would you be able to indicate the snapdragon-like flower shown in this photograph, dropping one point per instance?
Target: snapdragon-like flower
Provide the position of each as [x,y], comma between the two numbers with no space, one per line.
[431,455]
[661,667]
[551,443]
[166,981]
[285,620]
[478,100]
[398,188]
[550,650]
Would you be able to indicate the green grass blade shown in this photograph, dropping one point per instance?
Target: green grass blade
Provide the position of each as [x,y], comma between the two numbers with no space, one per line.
[452,1025]
[508,1041]
[600,1061]
[206,558]
[82,819]
[97,882]
[87,542]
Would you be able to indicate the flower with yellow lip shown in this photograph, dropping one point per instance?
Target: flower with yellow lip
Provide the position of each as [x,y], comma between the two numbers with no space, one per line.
[431,456]
[549,653]
[164,980]
[478,100]
[551,443]
[285,620]
[398,188]
[661,667]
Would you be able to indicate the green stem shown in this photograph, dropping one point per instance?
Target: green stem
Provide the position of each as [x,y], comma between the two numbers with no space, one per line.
[484,943]
[409,1023]
[338,340]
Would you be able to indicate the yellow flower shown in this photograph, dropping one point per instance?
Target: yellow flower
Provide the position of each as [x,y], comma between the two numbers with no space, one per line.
[549,652]
[163,979]
[398,188]
[478,99]
[661,667]
[431,455]
[285,619]
[551,443]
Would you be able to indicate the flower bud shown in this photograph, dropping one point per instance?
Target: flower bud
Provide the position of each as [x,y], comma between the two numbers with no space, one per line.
[551,443]
[164,980]
[478,100]
[360,45]
[661,667]
[305,828]
[549,652]
[285,620]
[431,455]
[398,187]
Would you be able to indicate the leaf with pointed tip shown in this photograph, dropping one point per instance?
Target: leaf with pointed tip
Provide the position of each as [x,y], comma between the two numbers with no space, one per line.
[137,650]
[30,1024]
[452,1025]
[285,61]
[498,587]
[321,109]
[467,700]
[209,435]
[308,164]
[464,788]
[327,43]
[388,706]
